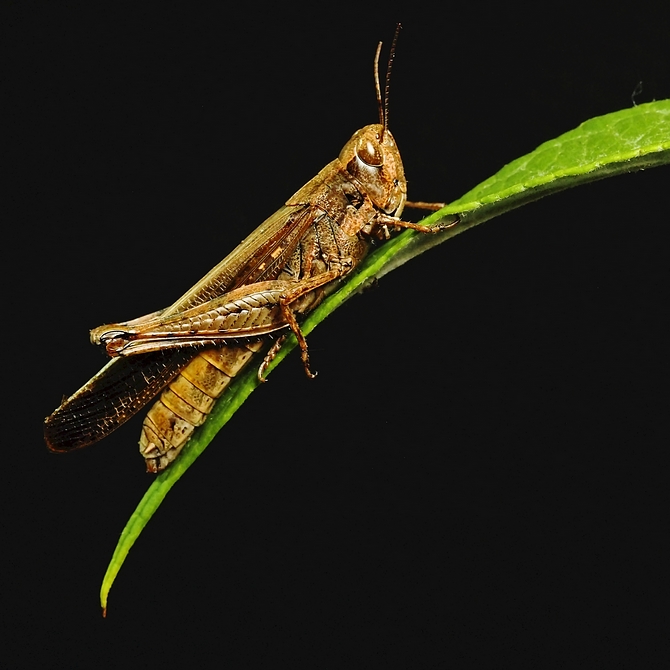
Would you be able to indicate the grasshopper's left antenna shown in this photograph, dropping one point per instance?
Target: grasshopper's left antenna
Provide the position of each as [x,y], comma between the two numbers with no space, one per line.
[387,85]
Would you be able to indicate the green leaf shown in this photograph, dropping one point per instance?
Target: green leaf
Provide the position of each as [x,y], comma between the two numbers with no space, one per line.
[624,141]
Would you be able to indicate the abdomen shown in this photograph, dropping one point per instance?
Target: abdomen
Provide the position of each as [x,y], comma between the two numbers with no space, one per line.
[187,401]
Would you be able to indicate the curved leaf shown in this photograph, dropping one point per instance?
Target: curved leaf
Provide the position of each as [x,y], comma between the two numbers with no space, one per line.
[616,143]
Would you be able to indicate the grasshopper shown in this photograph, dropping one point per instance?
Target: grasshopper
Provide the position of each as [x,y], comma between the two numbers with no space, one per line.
[193,349]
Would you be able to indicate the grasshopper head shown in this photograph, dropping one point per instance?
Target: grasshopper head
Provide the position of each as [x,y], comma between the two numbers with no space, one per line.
[373,161]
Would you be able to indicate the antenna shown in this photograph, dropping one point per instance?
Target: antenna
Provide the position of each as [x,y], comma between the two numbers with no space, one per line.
[380,106]
[389,67]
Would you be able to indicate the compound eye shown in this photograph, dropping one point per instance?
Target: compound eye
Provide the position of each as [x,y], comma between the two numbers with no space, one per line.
[369,152]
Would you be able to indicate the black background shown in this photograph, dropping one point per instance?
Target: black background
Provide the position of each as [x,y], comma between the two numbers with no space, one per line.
[479,471]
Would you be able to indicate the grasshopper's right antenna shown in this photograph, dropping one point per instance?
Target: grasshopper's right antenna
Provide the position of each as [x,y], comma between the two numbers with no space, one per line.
[380,105]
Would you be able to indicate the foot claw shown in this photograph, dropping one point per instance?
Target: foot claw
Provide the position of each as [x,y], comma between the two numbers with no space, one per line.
[445,225]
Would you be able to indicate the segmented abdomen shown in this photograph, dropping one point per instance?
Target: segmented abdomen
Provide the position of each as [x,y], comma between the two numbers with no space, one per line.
[188,399]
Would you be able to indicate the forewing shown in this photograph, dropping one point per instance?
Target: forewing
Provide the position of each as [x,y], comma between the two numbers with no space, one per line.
[259,257]
[126,384]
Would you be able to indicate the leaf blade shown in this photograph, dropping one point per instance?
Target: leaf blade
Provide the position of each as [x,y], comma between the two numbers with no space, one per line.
[616,143]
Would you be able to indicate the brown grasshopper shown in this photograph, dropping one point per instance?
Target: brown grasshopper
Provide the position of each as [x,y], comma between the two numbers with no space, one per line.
[193,349]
